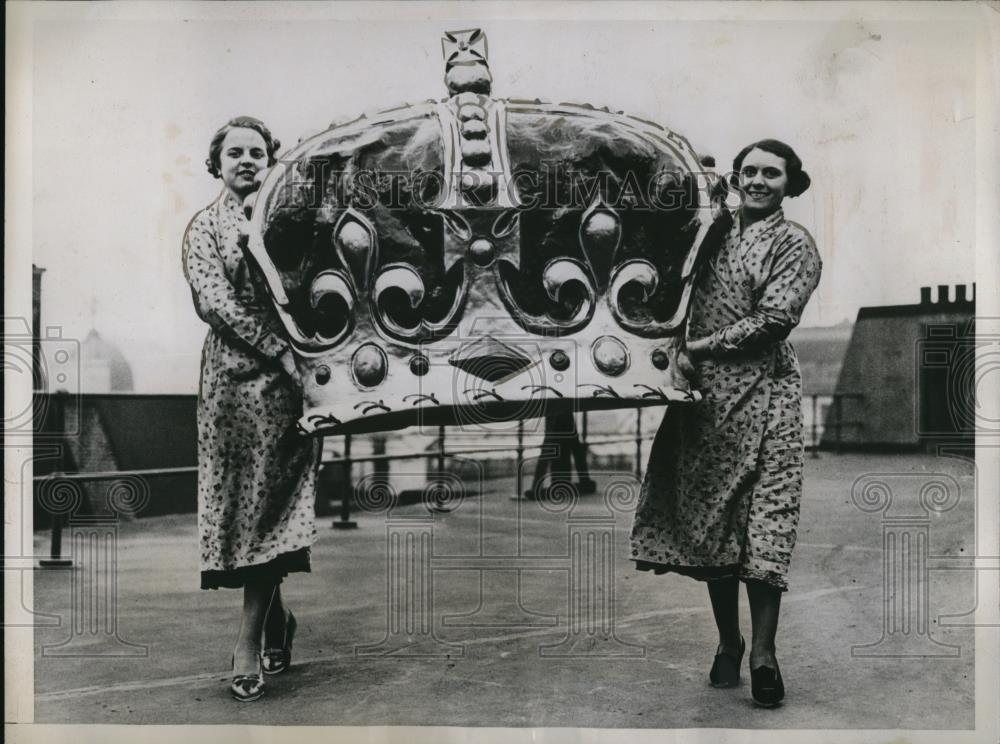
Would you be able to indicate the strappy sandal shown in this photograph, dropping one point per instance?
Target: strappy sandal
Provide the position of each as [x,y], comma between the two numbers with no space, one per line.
[248,687]
[726,668]
[277,660]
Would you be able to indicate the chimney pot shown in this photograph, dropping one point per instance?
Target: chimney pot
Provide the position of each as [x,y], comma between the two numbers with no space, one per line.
[942,294]
[925,295]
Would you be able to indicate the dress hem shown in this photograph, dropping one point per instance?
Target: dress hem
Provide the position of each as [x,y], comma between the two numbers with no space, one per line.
[297,561]
[712,573]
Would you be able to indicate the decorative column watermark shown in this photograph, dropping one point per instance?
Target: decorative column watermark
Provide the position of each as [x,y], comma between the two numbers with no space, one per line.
[906,554]
[93,587]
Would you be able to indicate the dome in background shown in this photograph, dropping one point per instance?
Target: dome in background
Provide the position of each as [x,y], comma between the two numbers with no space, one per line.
[103,367]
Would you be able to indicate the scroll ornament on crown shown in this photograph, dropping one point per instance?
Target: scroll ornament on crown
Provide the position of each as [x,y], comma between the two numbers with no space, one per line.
[478,258]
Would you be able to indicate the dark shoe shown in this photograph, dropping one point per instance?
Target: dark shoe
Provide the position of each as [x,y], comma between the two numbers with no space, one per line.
[766,685]
[537,494]
[247,687]
[726,668]
[586,486]
[277,660]
[656,568]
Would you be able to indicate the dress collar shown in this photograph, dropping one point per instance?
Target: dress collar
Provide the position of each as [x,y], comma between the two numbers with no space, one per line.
[772,220]
[229,203]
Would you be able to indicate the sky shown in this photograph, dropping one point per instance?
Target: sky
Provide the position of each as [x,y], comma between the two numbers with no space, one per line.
[881,112]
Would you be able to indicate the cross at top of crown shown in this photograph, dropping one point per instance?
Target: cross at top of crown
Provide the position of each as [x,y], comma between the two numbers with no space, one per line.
[466,69]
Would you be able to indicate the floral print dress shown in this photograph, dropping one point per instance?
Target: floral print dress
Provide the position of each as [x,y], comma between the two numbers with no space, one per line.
[256,474]
[723,486]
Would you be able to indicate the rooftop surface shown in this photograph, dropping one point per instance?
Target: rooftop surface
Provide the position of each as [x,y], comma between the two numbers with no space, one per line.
[497,645]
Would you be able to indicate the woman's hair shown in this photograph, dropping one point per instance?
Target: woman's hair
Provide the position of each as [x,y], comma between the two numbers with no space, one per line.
[798,179]
[245,122]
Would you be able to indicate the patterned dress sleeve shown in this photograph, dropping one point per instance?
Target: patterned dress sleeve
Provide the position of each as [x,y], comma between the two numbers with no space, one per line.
[215,297]
[794,274]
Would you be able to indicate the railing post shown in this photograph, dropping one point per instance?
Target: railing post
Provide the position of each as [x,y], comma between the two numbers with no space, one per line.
[380,468]
[519,464]
[440,453]
[815,425]
[438,492]
[839,413]
[55,559]
[638,443]
[345,522]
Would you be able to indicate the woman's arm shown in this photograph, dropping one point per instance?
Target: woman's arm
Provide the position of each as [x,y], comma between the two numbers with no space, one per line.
[794,275]
[215,298]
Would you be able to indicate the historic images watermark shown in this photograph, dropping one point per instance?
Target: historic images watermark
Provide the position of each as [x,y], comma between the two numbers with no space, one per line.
[314,184]
[92,535]
[951,363]
[585,554]
[493,357]
[954,360]
[50,364]
[906,502]
[960,360]
[84,534]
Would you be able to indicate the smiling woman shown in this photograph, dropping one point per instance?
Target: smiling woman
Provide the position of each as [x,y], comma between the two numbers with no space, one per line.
[766,172]
[239,150]
[720,502]
[256,476]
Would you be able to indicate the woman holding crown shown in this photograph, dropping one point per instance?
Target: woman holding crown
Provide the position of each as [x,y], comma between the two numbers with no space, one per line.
[720,501]
[256,476]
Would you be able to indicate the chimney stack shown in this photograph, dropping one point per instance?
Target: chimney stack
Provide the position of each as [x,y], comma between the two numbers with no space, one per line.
[942,294]
[925,295]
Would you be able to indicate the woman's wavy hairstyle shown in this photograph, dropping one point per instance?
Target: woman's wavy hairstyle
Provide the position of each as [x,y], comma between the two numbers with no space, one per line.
[213,162]
[798,179]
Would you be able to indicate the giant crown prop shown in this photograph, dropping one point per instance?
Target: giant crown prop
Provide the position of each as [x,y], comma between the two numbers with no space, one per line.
[482,259]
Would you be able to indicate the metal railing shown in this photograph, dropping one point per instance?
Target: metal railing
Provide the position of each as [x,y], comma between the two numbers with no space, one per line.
[820,420]
[347,461]
[442,453]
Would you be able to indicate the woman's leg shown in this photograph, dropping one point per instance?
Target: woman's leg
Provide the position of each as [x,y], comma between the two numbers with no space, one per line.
[257,596]
[725,595]
[765,602]
[579,458]
[274,623]
[542,466]
[561,468]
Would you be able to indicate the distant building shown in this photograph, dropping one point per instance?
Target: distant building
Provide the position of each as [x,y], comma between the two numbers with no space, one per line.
[81,424]
[103,367]
[906,381]
[821,355]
